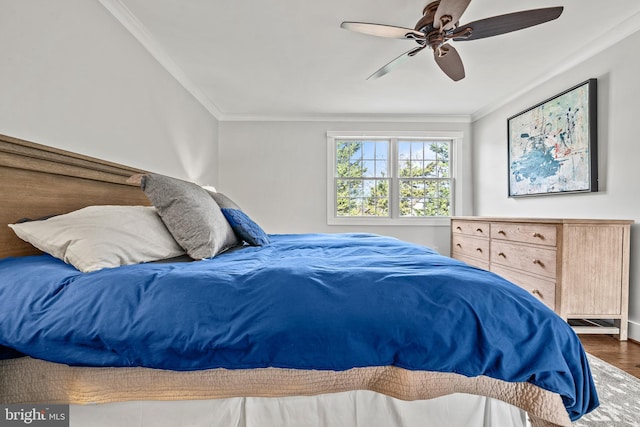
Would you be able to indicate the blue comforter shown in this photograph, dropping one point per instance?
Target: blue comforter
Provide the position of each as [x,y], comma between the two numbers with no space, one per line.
[329,302]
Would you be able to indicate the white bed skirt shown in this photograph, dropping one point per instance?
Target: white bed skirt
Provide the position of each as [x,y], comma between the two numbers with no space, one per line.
[346,409]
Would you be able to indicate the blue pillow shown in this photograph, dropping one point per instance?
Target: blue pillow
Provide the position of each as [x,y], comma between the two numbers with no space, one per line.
[244,227]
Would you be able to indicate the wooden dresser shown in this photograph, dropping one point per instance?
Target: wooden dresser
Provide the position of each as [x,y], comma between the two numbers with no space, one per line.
[578,267]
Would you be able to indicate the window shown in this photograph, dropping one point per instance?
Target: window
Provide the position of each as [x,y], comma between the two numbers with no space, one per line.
[391,179]
[423,178]
[362,178]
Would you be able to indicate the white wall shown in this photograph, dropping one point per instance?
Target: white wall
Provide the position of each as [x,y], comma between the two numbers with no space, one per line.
[72,77]
[277,172]
[617,70]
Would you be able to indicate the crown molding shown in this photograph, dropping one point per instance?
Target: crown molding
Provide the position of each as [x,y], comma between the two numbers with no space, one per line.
[144,37]
[387,118]
[621,31]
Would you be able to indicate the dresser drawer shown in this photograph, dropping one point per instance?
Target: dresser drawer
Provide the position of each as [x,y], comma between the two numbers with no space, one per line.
[470,246]
[480,263]
[539,234]
[531,259]
[472,228]
[543,289]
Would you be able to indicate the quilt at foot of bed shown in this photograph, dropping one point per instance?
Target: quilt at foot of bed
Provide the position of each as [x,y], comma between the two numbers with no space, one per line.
[27,380]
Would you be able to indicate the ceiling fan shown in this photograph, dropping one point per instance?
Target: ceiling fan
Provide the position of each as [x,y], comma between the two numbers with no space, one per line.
[439,24]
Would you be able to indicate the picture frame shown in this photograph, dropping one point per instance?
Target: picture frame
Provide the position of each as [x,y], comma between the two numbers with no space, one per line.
[552,146]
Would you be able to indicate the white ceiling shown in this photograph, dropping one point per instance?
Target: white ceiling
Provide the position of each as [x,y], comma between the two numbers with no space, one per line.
[289,59]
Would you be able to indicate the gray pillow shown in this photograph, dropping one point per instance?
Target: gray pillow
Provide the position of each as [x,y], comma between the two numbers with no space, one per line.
[99,237]
[191,215]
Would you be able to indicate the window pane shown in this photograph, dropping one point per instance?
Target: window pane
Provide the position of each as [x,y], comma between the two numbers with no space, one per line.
[342,206]
[429,152]
[430,169]
[445,198]
[382,150]
[383,207]
[368,188]
[369,151]
[382,159]
[425,197]
[362,172]
[423,159]
[443,169]
[349,159]
[417,151]
[416,168]
[362,197]
[376,200]
[369,168]
[404,150]
[404,168]
[441,151]
[355,188]
[362,159]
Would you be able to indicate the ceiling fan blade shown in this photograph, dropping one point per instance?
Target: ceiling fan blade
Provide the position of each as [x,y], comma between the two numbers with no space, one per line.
[449,61]
[399,60]
[506,23]
[383,30]
[452,8]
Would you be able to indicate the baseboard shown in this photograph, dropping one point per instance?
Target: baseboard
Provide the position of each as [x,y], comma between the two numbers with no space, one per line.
[634,331]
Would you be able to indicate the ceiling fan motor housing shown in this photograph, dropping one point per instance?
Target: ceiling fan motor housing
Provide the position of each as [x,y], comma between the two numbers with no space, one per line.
[435,37]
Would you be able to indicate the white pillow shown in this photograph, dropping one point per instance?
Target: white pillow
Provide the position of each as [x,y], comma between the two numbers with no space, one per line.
[99,237]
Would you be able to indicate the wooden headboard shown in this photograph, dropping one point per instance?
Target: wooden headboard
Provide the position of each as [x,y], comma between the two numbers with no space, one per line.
[36,180]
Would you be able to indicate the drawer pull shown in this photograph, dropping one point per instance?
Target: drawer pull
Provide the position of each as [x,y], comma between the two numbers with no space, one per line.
[459,245]
[479,230]
[538,235]
[537,261]
[459,228]
[502,232]
[479,250]
[502,255]
[537,293]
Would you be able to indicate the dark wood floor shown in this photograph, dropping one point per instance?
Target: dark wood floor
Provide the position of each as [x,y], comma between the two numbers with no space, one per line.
[623,354]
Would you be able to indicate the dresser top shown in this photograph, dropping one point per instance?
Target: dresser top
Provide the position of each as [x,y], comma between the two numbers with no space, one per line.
[546,220]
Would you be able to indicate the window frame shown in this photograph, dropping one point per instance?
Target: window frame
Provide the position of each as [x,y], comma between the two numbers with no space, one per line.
[394,199]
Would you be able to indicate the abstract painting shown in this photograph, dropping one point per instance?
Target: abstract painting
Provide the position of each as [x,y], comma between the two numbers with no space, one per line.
[553,145]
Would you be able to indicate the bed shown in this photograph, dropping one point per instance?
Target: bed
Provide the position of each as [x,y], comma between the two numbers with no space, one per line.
[352,328]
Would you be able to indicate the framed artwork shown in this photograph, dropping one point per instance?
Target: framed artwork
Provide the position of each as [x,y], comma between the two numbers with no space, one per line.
[553,145]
